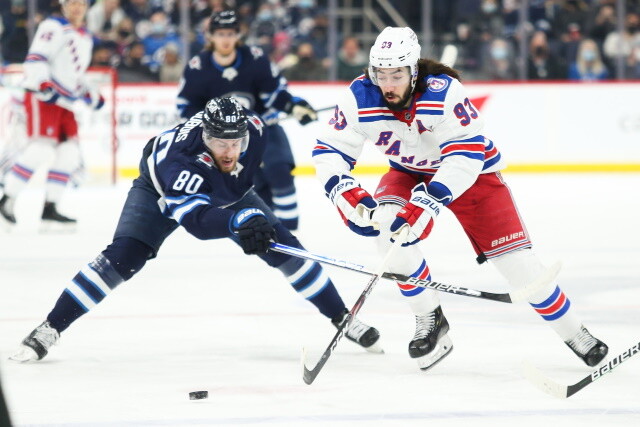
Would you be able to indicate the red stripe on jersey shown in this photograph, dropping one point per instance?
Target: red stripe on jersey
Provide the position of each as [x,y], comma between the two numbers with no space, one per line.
[554,307]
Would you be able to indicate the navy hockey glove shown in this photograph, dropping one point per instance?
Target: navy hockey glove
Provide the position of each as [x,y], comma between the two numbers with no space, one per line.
[47,93]
[253,230]
[354,204]
[301,110]
[418,215]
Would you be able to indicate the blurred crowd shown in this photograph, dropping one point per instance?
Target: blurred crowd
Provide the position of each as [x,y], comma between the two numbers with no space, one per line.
[566,39]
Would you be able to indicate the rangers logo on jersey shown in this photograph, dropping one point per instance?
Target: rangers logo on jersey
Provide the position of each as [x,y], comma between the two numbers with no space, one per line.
[437,84]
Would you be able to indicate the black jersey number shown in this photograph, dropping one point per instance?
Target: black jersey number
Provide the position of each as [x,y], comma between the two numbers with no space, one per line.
[188,182]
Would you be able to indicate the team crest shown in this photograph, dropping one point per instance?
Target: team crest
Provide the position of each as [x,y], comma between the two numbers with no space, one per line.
[436,84]
[229,73]
[206,159]
[194,63]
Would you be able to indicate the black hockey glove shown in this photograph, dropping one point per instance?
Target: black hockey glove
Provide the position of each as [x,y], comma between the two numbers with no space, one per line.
[253,230]
[301,110]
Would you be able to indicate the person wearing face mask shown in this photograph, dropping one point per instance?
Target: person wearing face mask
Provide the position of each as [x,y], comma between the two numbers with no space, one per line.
[160,34]
[498,65]
[621,44]
[308,67]
[588,66]
[542,63]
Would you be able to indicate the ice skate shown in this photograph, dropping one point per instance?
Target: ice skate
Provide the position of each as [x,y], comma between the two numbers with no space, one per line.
[7,218]
[587,347]
[360,333]
[36,345]
[430,344]
[53,221]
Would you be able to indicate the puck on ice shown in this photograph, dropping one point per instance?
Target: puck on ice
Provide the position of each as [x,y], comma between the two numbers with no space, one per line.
[197,395]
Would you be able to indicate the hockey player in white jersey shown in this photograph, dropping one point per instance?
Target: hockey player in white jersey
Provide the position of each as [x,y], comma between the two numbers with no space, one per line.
[416,112]
[54,79]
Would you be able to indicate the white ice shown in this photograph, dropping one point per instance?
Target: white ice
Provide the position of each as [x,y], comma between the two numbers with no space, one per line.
[202,316]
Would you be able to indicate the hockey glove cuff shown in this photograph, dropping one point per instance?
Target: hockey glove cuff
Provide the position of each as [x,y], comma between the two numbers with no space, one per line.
[253,231]
[418,215]
[354,204]
[47,93]
[303,112]
[93,99]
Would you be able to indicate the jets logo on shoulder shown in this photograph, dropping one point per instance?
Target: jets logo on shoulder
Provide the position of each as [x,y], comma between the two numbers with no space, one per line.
[195,63]
[256,52]
[436,84]
[206,159]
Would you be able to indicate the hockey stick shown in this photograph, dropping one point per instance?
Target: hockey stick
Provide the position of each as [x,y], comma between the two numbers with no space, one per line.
[561,391]
[513,297]
[309,375]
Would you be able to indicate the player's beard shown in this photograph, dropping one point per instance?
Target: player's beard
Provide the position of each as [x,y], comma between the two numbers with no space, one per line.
[226,164]
[402,104]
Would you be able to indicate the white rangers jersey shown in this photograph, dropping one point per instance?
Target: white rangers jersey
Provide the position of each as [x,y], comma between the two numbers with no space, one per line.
[441,134]
[60,54]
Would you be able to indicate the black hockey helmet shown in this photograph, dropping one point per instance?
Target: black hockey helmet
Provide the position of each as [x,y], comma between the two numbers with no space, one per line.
[225,118]
[224,19]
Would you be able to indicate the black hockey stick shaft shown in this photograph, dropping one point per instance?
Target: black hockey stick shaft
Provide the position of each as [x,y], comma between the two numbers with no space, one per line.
[442,287]
[309,375]
[604,369]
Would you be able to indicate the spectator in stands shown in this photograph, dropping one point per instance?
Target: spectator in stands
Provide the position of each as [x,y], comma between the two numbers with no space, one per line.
[469,51]
[488,24]
[570,12]
[568,52]
[588,65]
[103,17]
[103,55]
[308,67]
[281,54]
[617,44]
[499,64]
[138,10]
[160,34]
[124,35]
[542,65]
[351,59]
[632,70]
[172,66]
[132,69]
[603,23]
[15,42]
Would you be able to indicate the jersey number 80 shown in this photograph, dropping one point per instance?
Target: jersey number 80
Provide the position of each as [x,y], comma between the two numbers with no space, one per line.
[190,183]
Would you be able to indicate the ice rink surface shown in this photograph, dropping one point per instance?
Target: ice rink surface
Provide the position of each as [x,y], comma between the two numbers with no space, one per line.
[203,316]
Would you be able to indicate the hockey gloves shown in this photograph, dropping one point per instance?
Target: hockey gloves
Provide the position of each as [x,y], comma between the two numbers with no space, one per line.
[253,230]
[301,110]
[354,204]
[47,93]
[93,98]
[418,215]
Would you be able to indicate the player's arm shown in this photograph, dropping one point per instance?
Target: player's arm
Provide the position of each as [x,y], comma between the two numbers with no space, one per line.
[334,156]
[191,97]
[462,159]
[274,92]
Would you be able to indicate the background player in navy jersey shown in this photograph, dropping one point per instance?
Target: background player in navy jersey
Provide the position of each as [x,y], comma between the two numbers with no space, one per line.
[227,68]
[198,175]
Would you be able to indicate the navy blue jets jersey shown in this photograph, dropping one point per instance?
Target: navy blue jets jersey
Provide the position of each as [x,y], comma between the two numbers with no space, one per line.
[191,189]
[252,79]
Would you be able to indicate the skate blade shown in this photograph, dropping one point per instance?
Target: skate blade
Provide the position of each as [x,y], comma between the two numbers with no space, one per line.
[375,348]
[442,350]
[55,227]
[24,355]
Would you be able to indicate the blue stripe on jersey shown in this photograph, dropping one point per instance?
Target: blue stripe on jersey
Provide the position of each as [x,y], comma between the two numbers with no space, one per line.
[425,112]
[376,118]
[324,148]
[477,138]
[178,207]
[468,154]
[308,278]
[82,306]
[490,162]
[416,290]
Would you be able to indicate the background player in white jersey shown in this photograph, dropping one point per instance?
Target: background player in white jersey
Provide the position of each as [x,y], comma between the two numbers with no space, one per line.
[416,112]
[54,79]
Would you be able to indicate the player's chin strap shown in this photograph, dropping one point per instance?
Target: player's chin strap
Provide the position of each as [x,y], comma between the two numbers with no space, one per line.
[310,374]
[519,295]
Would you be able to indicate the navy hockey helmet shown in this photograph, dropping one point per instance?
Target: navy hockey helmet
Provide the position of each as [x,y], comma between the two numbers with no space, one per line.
[224,118]
[223,20]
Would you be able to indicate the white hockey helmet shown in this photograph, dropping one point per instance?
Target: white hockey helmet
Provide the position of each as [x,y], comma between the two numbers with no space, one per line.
[395,47]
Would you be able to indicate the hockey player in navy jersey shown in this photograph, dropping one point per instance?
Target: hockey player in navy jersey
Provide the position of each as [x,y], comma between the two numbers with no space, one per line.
[198,175]
[416,112]
[246,73]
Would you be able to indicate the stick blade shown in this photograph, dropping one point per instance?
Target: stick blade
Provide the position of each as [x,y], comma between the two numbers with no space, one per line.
[537,378]
[537,285]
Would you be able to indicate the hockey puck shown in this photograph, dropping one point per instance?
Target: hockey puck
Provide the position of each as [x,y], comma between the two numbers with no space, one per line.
[197,395]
